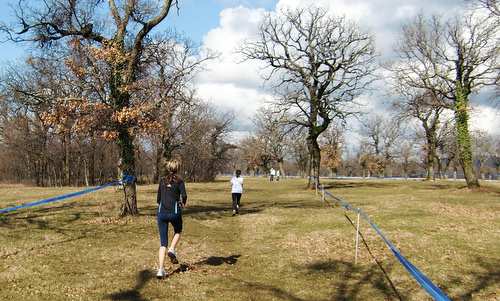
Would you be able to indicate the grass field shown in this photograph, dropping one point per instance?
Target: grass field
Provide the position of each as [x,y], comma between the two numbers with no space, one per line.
[286,244]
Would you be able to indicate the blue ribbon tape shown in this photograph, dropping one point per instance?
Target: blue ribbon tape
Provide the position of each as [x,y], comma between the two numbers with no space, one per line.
[126,179]
[422,280]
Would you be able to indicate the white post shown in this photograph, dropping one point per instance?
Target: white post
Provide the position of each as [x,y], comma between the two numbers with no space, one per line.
[357,241]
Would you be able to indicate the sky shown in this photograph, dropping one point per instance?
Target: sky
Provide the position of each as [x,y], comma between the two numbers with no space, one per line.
[222,25]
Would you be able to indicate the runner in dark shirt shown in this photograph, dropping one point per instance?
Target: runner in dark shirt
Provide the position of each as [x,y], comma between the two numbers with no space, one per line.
[171,199]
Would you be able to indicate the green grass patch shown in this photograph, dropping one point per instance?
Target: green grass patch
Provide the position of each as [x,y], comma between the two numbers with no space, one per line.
[286,244]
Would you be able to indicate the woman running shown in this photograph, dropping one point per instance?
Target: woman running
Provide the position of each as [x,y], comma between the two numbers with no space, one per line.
[171,199]
[236,191]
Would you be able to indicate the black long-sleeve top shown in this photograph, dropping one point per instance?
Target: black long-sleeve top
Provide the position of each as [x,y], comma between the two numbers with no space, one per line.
[170,194]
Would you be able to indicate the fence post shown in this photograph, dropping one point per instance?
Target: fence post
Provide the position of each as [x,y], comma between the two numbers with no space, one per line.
[357,240]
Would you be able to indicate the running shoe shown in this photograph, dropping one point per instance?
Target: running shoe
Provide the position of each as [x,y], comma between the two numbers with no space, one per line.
[173,258]
[161,273]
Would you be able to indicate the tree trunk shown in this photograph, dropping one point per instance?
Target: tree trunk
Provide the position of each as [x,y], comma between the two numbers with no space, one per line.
[119,81]
[463,138]
[281,167]
[54,174]
[431,155]
[67,159]
[86,172]
[314,150]
[92,161]
[126,145]
[309,170]
[440,168]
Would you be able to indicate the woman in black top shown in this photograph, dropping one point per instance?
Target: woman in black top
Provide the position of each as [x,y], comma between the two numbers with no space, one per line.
[171,199]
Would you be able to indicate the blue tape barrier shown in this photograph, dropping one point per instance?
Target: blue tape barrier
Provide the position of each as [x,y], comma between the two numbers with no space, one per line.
[422,280]
[125,179]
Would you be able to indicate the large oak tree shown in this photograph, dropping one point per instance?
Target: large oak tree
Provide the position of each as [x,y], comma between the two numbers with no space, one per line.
[117,42]
[319,63]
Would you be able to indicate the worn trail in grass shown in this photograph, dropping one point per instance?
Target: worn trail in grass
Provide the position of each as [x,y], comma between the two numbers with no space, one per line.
[286,244]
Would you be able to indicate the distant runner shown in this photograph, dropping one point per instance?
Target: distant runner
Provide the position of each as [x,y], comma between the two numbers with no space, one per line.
[272,173]
[236,191]
[171,199]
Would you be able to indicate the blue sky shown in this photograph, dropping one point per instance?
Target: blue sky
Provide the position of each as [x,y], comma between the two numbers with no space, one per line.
[194,19]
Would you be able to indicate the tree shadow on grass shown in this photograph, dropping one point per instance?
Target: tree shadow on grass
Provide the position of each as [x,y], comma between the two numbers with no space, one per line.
[38,216]
[211,261]
[338,184]
[445,186]
[204,212]
[133,294]
[350,287]
[217,260]
[42,246]
[269,290]
[486,275]
[425,185]
[54,208]
[301,204]
[49,221]
[354,278]
[144,276]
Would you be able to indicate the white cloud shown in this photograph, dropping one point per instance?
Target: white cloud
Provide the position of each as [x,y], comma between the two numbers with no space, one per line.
[355,10]
[229,83]
[237,86]
[244,102]
[382,17]
[485,118]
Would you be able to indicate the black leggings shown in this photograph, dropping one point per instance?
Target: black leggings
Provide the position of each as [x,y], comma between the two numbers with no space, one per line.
[163,219]
[236,200]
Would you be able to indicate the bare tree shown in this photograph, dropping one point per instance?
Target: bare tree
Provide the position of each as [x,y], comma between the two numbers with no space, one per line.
[272,129]
[30,90]
[446,147]
[205,147]
[382,135]
[332,145]
[255,154]
[491,5]
[484,150]
[170,64]
[299,152]
[368,161]
[451,60]
[320,63]
[406,154]
[48,22]
[427,109]
[496,155]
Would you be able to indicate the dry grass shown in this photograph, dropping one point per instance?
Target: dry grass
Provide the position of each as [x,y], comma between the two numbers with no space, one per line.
[286,245]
